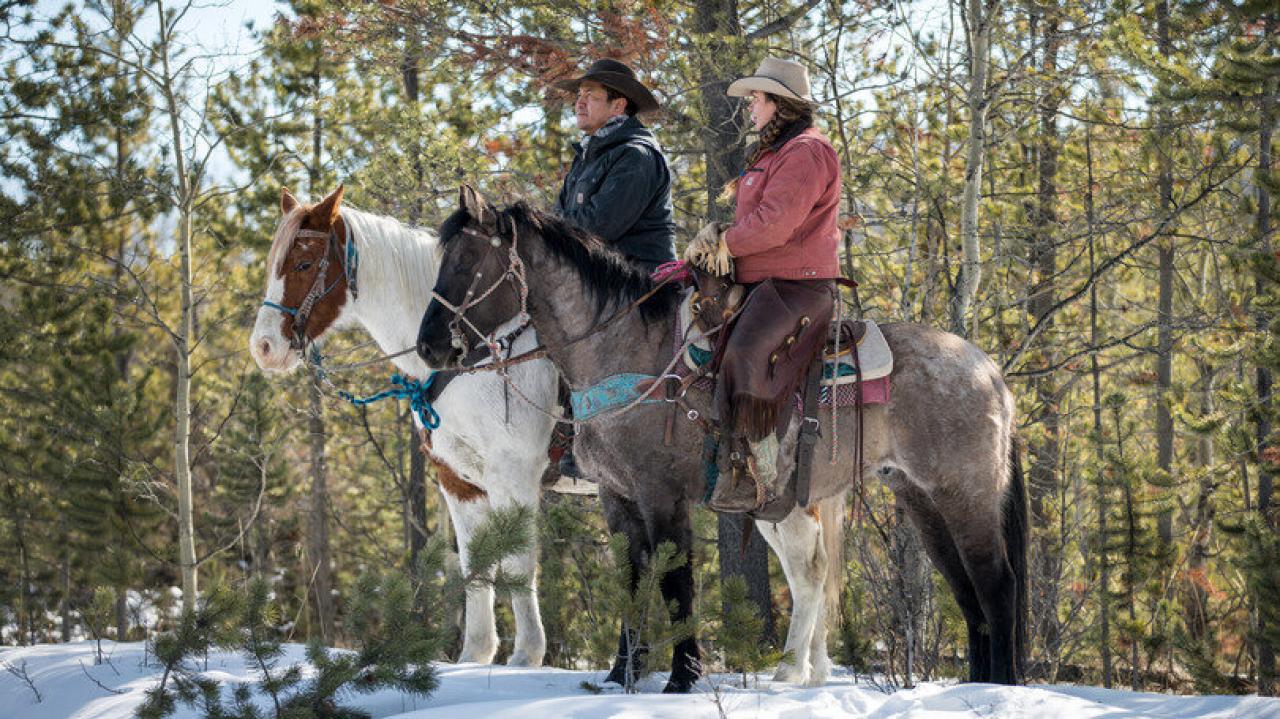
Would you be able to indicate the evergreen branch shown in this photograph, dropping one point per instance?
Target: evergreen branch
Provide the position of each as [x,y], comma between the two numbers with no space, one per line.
[1105,266]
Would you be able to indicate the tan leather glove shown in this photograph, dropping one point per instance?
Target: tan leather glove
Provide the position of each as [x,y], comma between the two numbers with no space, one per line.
[709,251]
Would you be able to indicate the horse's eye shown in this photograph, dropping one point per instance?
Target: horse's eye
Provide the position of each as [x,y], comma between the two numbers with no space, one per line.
[302,266]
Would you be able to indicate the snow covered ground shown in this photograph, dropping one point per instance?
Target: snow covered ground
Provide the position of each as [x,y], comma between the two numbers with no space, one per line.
[62,674]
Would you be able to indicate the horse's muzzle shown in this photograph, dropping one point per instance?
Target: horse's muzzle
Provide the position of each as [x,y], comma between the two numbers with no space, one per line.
[433,337]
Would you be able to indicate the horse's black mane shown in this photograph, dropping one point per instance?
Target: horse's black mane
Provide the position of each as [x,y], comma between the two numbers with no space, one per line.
[609,278]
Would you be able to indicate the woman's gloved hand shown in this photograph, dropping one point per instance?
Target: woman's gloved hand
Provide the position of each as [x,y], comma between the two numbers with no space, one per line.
[709,251]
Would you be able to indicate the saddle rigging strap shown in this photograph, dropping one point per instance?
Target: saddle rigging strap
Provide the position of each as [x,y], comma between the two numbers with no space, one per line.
[809,431]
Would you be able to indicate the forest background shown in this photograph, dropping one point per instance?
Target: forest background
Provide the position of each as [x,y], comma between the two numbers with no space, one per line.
[1082,189]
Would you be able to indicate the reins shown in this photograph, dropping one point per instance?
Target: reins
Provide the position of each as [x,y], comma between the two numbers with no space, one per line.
[516,273]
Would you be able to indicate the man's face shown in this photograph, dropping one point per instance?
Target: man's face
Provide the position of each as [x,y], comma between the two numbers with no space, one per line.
[593,107]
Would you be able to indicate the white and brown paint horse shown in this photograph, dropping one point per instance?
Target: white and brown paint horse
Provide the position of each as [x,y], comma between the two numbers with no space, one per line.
[491,453]
[943,443]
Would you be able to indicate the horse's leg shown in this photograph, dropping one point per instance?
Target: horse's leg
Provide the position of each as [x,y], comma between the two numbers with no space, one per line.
[797,540]
[623,517]
[979,541]
[831,522]
[480,638]
[669,521]
[512,485]
[942,551]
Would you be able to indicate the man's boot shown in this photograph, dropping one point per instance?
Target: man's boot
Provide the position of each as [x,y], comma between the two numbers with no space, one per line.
[748,479]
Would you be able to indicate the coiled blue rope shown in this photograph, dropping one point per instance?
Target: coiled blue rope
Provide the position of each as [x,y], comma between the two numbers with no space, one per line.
[404,388]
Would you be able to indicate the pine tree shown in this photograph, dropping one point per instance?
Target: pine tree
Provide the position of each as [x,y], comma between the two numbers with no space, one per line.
[740,631]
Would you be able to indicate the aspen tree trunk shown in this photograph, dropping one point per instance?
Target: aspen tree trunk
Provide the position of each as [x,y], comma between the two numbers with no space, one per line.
[980,18]
[182,336]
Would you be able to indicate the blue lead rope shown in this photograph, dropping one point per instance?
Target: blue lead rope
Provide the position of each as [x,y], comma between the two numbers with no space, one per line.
[404,388]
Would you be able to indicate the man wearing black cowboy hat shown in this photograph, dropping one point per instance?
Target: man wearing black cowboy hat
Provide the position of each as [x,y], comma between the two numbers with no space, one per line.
[619,186]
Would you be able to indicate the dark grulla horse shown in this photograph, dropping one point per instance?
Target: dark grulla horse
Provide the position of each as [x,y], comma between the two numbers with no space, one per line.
[943,444]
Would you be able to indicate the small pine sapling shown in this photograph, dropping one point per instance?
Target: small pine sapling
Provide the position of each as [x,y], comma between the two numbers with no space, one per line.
[205,626]
[260,644]
[741,632]
[97,617]
[645,616]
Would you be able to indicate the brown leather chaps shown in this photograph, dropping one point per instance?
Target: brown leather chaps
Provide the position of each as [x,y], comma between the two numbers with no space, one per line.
[782,327]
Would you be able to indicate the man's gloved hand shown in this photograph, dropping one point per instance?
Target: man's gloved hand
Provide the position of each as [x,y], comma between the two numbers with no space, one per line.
[709,251]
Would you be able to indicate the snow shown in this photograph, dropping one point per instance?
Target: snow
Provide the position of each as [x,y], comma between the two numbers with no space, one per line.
[61,674]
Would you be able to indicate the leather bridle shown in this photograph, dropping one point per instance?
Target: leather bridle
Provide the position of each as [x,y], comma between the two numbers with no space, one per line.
[318,291]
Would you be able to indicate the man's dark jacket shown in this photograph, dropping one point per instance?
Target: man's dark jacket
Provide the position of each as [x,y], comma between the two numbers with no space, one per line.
[621,191]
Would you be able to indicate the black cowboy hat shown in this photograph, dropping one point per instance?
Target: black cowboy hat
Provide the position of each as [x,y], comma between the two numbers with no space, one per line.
[617,76]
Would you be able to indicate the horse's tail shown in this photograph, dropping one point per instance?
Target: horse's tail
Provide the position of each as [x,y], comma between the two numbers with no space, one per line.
[1015,542]
[831,518]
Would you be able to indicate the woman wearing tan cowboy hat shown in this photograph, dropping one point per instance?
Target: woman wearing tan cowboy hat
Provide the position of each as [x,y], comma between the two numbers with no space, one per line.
[783,246]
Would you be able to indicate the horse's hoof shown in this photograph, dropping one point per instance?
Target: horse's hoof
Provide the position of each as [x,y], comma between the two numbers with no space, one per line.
[679,686]
[815,680]
[522,658]
[790,673]
[469,656]
[819,673]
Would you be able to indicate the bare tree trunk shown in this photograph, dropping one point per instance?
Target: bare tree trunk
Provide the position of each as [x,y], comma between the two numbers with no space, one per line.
[318,525]
[122,613]
[65,572]
[1043,475]
[717,22]
[1104,557]
[980,20]
[1164,310]
[182,337]
[1266,655]
[416,497]
[1130,553]
[416,491]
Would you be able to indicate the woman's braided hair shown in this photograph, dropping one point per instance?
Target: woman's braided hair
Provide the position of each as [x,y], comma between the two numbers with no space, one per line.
[789,113]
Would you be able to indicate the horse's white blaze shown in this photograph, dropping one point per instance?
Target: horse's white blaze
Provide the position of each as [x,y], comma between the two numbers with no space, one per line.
[494,441]
[267,344]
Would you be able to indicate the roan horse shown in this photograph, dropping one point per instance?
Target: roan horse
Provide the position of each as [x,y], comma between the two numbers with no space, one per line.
[944,443]
[487,458]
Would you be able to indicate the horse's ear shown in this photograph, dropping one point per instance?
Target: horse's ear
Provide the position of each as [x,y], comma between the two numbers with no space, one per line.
[327,210]
[476,206]
[287,201]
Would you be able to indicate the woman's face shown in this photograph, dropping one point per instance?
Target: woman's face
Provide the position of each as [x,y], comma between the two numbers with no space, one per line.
[761,108]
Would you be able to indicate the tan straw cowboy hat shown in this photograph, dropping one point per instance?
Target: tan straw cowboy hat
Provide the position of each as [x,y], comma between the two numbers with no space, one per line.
[620,77]
[784,78]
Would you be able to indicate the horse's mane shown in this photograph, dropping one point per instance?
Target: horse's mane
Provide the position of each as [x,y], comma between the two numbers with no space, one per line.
[609,278]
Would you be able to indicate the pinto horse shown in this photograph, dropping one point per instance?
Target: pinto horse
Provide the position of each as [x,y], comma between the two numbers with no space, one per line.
[943,443]
[332,266]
